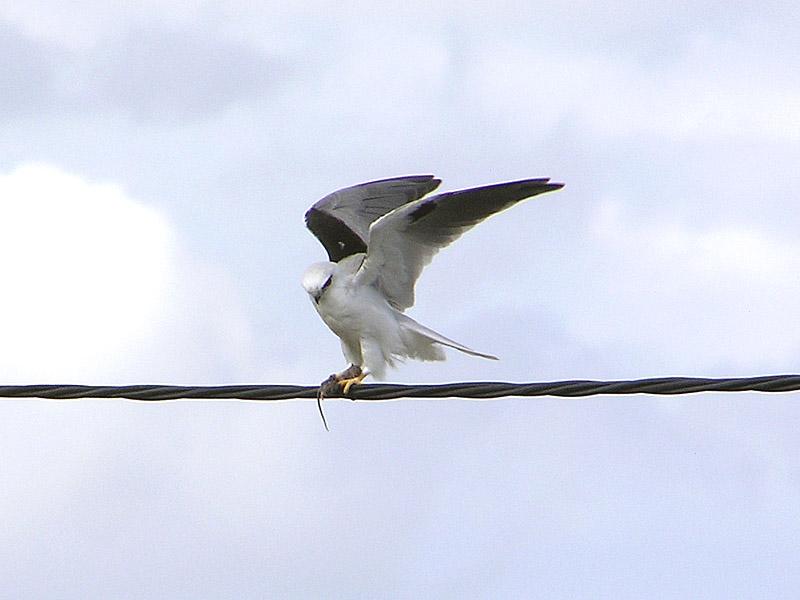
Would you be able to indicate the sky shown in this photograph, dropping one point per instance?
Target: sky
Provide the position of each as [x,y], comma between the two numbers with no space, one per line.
[156,160]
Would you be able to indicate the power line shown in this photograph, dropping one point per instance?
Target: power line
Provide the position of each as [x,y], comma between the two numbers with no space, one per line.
[469,390]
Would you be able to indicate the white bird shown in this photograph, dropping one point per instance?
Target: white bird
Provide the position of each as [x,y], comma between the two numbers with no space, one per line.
[379,236]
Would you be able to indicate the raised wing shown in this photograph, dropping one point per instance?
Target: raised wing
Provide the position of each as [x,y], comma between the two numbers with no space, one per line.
[404,241]
[341,220]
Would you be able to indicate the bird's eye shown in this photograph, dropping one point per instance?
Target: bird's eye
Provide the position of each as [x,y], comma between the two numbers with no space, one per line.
[326,284]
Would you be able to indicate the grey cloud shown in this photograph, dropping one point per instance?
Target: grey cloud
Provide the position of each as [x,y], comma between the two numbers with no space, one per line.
[147,75]
[162,75]
[26,72]
[254,499]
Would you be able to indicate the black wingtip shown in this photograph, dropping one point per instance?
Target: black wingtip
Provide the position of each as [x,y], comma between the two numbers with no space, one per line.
[540,185]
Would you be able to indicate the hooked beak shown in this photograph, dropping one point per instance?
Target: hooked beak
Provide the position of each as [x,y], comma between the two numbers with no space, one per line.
[318,295]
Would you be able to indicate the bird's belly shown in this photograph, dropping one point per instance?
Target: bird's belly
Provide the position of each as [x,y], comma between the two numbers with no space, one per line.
[351,315]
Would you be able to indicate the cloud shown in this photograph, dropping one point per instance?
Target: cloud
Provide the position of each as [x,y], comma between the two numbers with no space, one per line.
[87,269]
[709,92]
[722,297]
[25,75]
[83,25]
[157,75]
[143,74]
[689,267]
[95,286]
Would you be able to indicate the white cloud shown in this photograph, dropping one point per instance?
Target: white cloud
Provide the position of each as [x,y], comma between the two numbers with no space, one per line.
[85,270]
[724,296]
[710,91]
[82,24]
[642,108]
[95,286]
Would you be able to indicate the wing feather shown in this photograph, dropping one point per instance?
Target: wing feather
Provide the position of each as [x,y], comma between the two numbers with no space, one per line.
[341,220]
[402,242]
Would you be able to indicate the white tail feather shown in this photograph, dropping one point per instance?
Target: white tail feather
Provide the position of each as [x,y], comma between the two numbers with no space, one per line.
[409,325]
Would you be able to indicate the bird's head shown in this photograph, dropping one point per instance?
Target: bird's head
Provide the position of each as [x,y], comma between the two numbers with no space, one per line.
[317,278]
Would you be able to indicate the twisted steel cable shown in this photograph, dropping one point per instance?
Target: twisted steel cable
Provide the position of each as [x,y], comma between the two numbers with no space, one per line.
[468,390]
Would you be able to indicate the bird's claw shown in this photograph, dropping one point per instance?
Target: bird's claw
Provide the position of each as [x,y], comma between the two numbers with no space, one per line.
[346,384]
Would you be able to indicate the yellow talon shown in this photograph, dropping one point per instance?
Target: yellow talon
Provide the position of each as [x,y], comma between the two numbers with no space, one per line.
[348,383]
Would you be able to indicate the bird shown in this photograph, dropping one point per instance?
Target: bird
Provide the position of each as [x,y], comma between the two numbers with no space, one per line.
[379,236]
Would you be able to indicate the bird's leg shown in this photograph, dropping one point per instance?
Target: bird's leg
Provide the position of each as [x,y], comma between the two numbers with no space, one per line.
[350,376]
[348,383]
[337,381]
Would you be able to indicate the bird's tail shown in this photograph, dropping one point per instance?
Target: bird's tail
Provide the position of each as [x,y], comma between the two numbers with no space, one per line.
[420,340]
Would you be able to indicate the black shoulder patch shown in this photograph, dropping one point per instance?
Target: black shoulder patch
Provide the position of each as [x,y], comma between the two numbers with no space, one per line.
[423,209]
[339,240]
